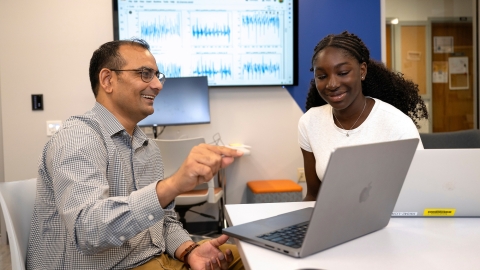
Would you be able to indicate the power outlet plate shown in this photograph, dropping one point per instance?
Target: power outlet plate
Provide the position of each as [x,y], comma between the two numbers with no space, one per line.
[53,126]
[301,175]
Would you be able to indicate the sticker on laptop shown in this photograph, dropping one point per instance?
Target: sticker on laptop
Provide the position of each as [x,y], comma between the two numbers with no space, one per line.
[439,212]
[404,214]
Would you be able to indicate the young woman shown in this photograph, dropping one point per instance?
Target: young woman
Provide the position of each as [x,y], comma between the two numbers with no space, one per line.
[353,100]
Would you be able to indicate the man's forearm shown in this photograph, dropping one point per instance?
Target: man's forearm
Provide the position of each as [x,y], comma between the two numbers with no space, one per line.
[166,192]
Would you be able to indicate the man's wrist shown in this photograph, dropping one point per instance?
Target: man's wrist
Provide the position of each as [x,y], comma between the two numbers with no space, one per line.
[180,249]
[171,184]
[166,192]
[185,254]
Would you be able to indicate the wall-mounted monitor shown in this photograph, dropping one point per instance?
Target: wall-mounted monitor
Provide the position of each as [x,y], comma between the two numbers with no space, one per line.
[182,101]
[232,42]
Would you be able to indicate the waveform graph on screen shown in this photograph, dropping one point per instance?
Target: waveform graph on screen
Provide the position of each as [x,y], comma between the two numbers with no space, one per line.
[264,67]
[171,69]
[216,67]
[161,29]
[260,28]
[210,28]
[232,42]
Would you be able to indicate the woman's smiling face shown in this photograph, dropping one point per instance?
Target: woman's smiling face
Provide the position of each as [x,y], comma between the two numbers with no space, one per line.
[338,77]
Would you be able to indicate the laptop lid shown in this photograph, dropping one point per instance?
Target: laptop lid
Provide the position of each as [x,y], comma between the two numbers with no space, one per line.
[441,183]
[360,187]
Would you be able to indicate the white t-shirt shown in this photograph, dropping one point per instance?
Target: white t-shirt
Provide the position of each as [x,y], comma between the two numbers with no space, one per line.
[318,133]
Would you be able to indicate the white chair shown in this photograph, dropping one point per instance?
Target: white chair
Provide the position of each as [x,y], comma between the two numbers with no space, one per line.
[174,153]
[17,199]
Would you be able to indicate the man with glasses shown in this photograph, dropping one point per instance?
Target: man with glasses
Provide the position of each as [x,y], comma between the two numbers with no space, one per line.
[102,199]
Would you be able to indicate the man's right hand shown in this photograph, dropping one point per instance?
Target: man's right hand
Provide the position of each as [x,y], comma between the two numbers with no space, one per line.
[203,162]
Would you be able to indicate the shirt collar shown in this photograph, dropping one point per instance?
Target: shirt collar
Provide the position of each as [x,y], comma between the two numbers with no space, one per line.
[109,121]
[113,126]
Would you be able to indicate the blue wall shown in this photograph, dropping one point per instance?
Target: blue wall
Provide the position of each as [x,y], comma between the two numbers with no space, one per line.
[318,18]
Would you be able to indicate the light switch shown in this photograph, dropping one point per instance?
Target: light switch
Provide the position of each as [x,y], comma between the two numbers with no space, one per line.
[37,102]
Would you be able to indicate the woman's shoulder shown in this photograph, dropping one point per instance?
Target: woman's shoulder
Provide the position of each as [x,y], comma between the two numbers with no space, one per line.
[389,116]
[386,108]
[320,110]
[315,114]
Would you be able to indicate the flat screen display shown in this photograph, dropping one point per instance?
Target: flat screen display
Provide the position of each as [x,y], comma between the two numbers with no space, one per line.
[232,42]
[182,101]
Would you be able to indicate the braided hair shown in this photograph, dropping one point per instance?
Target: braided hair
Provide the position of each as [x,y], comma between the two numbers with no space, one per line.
[381,83]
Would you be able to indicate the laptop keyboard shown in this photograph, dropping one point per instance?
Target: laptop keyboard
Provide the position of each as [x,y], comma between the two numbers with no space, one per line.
[291,236]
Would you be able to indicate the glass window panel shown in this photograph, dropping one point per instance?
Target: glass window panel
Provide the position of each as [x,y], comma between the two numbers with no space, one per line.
[433,43]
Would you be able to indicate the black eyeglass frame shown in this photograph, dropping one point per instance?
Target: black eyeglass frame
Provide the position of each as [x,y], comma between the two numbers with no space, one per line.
[143,71]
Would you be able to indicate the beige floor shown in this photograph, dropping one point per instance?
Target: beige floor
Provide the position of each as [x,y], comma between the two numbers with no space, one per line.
[5,262]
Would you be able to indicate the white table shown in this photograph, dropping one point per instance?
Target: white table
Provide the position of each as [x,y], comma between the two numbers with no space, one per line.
[406,243]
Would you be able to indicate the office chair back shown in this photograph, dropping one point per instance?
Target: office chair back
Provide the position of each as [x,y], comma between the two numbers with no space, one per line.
[174,152]
[17,199]
[454,139]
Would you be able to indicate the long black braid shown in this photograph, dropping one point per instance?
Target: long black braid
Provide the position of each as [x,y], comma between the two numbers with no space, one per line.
[381,83]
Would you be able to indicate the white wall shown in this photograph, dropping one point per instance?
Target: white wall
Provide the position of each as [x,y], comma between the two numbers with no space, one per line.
[45,48]
[421,10]
[1,131]
[3,235]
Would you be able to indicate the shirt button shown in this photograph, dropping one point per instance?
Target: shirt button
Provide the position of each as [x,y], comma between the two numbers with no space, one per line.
[122,238]
[150,217]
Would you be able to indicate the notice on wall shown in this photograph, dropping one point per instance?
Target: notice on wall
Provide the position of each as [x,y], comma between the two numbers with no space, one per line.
[442,44]
[414,56]
[440,72]
[458,73]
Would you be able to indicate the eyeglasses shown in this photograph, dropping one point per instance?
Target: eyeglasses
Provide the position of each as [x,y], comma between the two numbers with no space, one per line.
[147,74]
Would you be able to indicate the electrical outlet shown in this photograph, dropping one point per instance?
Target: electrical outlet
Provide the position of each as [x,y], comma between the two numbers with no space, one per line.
[301,175]
[53,126]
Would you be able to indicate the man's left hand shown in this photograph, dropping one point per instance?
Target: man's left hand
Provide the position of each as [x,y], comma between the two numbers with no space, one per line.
[209,257]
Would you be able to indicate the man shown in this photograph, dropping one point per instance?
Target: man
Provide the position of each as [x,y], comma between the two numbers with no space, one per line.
[101,202]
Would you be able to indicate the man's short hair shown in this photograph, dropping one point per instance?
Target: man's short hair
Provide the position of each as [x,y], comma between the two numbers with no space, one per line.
[107,56]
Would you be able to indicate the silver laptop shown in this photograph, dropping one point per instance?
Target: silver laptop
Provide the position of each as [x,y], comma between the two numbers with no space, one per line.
[358,193]
[441,183]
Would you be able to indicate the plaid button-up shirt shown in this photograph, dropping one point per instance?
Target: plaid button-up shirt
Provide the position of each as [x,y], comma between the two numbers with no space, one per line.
[96,204]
